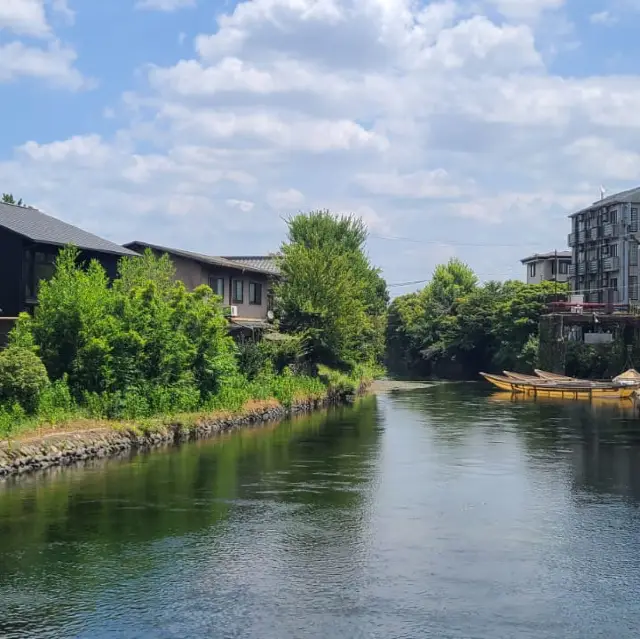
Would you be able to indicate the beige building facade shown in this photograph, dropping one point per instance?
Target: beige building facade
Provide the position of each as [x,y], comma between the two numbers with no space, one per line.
[243,282]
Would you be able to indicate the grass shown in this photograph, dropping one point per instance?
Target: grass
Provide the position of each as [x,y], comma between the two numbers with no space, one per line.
[58,413]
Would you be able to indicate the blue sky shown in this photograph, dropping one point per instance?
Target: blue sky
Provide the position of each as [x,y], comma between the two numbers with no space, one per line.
[464,128]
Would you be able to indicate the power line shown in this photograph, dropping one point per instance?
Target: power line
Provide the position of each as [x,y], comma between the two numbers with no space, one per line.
[408,283]
[446,242]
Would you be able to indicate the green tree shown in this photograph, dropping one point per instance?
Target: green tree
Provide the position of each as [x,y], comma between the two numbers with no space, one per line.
[144,333]
[330,292]
[8,198]
[454,327]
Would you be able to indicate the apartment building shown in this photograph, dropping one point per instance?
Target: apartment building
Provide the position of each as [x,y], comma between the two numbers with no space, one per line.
[604,242]
[552,267]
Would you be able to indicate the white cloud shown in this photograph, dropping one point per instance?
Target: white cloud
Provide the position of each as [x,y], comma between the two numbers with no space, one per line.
[285,200]
[436,184]
[55,64]
[24,17]
[440,123]
[165,5]
[525,9]
[242,205]
[603,17]
[62,8]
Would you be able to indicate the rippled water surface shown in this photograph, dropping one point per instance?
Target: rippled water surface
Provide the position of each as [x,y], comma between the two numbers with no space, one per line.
[444,512]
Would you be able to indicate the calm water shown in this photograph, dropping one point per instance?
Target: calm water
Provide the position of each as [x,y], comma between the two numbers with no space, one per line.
[444,513]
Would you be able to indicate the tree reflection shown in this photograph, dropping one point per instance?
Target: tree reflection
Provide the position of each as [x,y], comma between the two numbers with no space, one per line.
[69,527]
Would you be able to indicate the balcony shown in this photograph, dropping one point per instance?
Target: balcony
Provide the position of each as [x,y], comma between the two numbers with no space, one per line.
[582,237]
[572,239]
[592,234]
[611,230]
[593,266]
[572,270]
[582,268]
[611,264]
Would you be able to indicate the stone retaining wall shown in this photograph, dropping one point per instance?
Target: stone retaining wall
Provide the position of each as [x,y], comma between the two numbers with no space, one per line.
[65,449]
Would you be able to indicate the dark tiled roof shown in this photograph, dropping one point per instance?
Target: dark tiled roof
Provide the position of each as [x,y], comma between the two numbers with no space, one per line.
[630,195]
[38,227]
[214,260]
[266,262]
[548,256]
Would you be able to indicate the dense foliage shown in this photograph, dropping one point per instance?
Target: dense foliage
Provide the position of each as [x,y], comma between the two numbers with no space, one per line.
[331,296]
[138,347]
[23,377]
[455,327]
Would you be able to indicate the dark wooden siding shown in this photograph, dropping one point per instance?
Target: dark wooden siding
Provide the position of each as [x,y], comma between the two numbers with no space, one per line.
[10,273]
[12,287]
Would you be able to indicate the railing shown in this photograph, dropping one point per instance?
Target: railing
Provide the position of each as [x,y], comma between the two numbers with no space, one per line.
[611,230]
[593,266]
[572,239]
[582,268]
[593,234]
[611,264]
[582,236]
[572,270]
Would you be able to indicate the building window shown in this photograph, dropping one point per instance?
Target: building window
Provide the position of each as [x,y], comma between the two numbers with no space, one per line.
[613,250]
[564,268]
[255,293]
[633,287]
[634,220]
[238,291]
[613,217]
[613,282]
[532,269]
[217,285]
[38,266]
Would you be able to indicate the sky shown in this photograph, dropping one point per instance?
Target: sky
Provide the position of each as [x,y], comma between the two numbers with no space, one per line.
[454,128]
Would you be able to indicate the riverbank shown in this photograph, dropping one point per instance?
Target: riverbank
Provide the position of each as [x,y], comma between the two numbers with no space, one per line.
[90,439]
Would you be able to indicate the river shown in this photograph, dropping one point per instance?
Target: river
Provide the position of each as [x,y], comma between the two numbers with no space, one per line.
[446,512]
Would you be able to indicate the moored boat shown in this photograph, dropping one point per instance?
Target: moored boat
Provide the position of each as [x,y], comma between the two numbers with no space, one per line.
[569,389]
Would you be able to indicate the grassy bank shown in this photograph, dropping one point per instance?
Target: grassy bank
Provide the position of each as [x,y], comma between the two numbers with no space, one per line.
[58,412]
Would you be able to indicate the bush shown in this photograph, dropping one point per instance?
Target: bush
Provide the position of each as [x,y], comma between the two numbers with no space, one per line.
[23,377]
[11,416]
[56,403]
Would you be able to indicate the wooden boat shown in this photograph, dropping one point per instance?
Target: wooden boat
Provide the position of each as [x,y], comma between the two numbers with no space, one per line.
[569,389]
[537,378]
[520,376]
[551,376]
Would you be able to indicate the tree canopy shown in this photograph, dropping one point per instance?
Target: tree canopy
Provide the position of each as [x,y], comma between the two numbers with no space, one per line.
[330,292]
[455,327]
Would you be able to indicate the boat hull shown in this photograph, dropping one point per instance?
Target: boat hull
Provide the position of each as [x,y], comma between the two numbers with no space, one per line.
[566,390]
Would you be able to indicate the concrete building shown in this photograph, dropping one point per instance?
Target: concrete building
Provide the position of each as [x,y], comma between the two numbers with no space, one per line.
[552,267]
[243,282]
[604,241]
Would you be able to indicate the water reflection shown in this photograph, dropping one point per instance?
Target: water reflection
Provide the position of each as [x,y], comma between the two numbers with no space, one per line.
[68,538]
[600,439]
[442,512]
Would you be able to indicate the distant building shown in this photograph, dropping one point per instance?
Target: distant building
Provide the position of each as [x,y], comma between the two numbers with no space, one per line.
[604,240]
[548,267]
[243,282]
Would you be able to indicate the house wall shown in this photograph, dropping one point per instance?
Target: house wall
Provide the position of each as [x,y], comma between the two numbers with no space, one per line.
[245,310]
[193,273]
[10,273]
[12,286]
[544,272]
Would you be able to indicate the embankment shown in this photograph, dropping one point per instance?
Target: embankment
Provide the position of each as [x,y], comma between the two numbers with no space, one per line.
[82,442]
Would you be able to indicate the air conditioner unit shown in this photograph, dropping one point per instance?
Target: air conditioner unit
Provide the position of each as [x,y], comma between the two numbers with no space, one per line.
[233,311]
